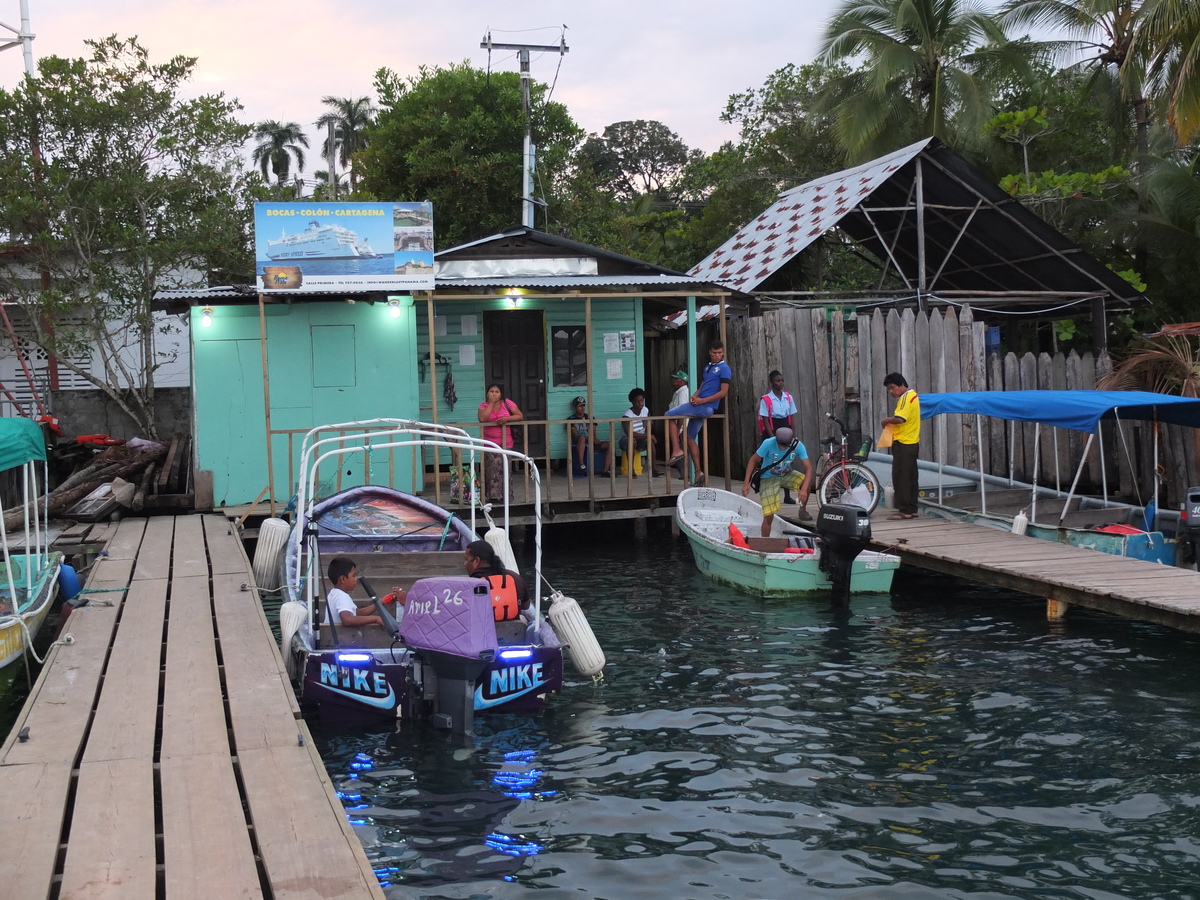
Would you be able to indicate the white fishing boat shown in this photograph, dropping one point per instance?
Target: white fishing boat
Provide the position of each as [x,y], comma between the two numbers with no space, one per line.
[319,241]
[28,569]
[453,652]
[1047,512]
[789,563]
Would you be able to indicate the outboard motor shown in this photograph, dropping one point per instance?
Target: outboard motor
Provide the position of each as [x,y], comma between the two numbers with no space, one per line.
[1189,522]
[448,623]
[845,532]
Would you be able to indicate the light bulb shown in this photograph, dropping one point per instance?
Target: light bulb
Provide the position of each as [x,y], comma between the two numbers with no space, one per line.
[394,308]
[206,317]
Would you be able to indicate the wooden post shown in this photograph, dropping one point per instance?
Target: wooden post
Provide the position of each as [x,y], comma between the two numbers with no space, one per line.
[262,332]
[1056,610]
[726,425]
[591,371]
[437,482]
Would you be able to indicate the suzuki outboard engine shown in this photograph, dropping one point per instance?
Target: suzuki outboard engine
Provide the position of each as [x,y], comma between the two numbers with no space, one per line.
[449,624]
[845,532]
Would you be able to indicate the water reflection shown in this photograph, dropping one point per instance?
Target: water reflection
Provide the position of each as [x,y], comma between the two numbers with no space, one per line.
[944,742]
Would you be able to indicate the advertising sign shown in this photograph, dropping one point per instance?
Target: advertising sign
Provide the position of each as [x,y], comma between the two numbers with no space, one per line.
[351,247]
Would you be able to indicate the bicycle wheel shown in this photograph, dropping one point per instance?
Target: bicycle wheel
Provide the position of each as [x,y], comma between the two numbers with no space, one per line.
[850,483]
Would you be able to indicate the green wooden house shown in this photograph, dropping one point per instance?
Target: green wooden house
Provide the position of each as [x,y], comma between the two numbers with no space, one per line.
[546,317]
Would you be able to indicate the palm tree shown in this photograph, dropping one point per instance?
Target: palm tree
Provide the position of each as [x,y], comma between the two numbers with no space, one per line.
[278,143]
[1170,37]
[1104,33]
[350,117]
[927,67]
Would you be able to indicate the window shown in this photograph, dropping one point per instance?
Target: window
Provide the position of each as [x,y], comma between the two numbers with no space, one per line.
[568,344]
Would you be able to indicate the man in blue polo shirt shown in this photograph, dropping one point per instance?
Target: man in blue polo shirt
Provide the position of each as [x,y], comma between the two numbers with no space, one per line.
[714,385]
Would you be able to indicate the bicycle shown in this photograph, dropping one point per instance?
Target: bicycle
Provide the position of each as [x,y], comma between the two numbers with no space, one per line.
[843,477]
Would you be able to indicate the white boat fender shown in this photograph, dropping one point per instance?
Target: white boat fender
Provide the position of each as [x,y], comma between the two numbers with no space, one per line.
[1020,523]
[268,554]
[572,628]
[291,616]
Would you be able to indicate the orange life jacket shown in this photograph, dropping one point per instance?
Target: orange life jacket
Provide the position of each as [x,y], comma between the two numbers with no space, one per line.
[505,604]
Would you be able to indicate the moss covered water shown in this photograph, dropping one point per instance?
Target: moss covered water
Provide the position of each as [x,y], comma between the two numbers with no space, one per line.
[942,742]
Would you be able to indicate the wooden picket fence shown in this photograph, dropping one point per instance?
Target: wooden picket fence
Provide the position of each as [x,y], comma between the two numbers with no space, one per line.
[834,361]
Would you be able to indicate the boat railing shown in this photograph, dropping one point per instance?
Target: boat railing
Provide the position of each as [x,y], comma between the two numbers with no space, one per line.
[354,438]
[36,541]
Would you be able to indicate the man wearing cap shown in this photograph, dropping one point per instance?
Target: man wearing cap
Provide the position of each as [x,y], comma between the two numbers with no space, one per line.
[775,455]
[675,426]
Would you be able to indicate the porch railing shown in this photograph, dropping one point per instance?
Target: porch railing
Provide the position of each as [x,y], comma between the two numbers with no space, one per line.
[431,476]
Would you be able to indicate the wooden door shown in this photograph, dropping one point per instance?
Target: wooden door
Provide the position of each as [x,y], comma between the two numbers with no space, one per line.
[514,356]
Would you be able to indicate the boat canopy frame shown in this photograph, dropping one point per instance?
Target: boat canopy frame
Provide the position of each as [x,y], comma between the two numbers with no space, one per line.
[23,446]
[385,434]
[1082,411]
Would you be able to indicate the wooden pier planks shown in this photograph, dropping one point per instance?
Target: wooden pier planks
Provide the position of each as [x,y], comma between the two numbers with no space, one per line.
[1058,572]
[182,762]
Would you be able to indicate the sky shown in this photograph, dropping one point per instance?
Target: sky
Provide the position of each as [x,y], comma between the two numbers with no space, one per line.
[669,60]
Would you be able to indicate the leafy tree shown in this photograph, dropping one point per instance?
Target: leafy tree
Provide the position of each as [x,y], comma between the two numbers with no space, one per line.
[112,187]
[1102,33]
[1169,36]
[637,157]
[278,144]
[1022,128]
[453,136]
[926,70]
[350,117]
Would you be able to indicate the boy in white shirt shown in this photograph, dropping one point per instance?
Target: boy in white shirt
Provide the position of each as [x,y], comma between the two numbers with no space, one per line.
[638,413]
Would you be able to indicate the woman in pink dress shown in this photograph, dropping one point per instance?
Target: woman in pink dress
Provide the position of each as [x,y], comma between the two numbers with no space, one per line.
[499,412]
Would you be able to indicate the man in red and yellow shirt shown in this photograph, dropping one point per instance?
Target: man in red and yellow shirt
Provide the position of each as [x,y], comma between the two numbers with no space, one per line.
[906,433]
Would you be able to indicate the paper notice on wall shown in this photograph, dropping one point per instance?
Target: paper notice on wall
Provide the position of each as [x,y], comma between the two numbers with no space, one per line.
[612,342]
[439,326]
[628,341]
[466,355]
[615,368]
[468,326]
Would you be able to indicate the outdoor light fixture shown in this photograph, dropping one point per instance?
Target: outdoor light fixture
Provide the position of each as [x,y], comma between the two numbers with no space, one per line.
[394,307]
[514,298]
[206,317]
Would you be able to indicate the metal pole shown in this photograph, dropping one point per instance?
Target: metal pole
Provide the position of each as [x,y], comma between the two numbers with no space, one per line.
[333,177]
[1075,482]
[1037,443]
[526,146]
[982,481]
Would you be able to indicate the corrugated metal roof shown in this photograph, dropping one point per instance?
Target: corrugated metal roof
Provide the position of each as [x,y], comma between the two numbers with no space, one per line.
[569,281]
[927,215]
[800,216]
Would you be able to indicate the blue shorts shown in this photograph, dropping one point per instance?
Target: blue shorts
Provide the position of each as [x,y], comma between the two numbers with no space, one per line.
[695,414]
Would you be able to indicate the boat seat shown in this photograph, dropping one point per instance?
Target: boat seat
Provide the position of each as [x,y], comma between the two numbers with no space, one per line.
[511,632]
[1091,518]
[388,570]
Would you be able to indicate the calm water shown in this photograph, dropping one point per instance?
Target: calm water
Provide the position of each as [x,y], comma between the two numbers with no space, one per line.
[943,742]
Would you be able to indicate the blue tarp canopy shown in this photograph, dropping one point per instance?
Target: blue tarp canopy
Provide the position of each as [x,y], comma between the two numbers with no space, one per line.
[1077,410]
[21,441]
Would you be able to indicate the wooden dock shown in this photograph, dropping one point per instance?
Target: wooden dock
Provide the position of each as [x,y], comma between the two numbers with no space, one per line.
[161,753]
[1062,574]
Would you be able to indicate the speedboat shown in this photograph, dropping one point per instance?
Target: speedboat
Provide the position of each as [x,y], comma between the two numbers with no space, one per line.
[447,656]
[723,529]
[29,570]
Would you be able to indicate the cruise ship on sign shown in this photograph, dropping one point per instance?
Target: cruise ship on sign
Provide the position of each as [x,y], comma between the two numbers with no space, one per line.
[319,241]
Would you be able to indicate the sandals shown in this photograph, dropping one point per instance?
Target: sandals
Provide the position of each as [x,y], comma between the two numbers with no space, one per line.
[700,480]
[901,515]
[674,459]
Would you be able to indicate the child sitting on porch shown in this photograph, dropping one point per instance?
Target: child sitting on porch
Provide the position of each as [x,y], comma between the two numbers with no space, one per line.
[637,412]
[583,434]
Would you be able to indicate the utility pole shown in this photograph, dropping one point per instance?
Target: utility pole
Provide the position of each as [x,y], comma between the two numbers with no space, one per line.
[527,149]
[23,36]
[333,176]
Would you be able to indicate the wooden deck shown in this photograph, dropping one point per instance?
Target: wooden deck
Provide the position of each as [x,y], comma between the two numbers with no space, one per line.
[1064,575]
[161,754]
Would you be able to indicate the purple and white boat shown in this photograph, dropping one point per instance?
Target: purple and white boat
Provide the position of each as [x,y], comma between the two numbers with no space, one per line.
[447,657]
